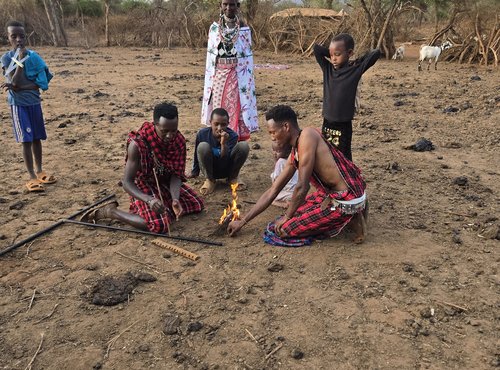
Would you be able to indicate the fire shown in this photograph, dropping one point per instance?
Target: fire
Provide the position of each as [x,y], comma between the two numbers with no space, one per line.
[233,207]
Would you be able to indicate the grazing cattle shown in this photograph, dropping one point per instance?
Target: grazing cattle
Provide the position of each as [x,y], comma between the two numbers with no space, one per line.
[431,53]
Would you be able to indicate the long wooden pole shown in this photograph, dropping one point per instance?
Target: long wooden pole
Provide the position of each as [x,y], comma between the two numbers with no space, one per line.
[52,227]
[137,231]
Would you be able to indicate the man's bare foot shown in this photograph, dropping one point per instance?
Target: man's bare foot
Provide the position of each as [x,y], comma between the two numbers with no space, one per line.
[208,187]
[101,212]
[359,227]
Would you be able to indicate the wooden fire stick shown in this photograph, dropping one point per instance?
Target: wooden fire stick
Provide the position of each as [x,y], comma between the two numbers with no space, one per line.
[176,249]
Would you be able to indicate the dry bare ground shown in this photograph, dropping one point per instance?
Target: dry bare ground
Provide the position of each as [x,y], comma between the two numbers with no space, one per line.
[421,292]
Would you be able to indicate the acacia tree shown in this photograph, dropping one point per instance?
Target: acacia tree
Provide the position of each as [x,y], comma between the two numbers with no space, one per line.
[54,14]
[380,16]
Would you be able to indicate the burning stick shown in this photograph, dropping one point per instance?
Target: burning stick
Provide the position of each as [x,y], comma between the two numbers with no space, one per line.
[176,249]
[231,213]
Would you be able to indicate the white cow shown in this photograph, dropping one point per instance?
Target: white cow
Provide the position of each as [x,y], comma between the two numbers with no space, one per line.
[432,53]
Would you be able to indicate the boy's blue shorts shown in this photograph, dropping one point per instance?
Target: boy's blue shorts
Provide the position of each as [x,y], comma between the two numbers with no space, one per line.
[27,122]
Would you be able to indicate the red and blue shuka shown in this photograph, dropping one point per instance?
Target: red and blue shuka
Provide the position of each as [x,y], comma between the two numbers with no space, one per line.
[313,215]
[166,158]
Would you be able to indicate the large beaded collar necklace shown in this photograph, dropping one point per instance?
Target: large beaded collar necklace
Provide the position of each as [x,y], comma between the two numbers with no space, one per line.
[228,35]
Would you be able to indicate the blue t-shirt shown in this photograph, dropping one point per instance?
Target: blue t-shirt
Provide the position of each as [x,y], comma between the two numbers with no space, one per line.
[205,136]
[23,97]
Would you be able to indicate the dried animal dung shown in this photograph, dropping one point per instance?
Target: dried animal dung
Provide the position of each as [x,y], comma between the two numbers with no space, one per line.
[461,181]
[171,325]
[111,290]
[194,326]
[422,145]
[451,109]
[275,267]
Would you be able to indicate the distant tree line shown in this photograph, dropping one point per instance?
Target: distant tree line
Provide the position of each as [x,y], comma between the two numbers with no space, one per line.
[159,23]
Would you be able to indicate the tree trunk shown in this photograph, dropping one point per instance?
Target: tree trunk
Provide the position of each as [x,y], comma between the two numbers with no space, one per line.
[388,19]
[51,23]
[56,28]
[106,22]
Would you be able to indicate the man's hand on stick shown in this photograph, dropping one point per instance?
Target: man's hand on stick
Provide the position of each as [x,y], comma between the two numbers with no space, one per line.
[156,205]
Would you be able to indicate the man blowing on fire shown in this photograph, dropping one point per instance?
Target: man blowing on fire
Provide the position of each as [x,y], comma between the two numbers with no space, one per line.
[339,198]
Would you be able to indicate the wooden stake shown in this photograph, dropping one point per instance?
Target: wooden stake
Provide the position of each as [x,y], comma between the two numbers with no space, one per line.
[36,354]
[176,249]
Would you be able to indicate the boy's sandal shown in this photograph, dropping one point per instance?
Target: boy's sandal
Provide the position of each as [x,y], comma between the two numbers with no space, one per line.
[34,186]
[91,214]
[46,179]
[208,187]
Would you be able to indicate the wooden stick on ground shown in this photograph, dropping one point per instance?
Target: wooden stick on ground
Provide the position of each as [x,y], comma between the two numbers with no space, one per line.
[49,315]
[152,268]
[454,306]
[113,340]
[251,336]
[274,351]
[32,299]
[176,249]
[36,354]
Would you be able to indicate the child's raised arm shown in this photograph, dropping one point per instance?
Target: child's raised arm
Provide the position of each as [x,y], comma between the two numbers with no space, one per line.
[321,53]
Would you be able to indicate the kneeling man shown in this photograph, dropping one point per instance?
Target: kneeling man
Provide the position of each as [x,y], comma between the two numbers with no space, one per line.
[339,198]
[154,176]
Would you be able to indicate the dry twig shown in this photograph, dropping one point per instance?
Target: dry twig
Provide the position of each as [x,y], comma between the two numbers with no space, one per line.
[31,301]
[36,354]
[251,336]
[274,351]
[114,339]
[49,315]
[454,306]
[152,268]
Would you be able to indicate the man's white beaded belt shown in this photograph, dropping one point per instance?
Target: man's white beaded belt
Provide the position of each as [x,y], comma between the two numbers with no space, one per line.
[349,207]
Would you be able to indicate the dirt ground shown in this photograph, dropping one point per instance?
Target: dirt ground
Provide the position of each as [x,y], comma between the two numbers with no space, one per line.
[421,292]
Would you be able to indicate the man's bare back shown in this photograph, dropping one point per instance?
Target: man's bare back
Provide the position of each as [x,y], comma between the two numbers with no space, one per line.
[324,165]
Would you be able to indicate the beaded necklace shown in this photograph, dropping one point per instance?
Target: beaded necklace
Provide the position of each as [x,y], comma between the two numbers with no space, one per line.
[228,36]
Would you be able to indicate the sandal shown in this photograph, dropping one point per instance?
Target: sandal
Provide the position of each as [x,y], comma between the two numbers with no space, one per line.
[44,178]
[95,214]
[208,187]
[35,186]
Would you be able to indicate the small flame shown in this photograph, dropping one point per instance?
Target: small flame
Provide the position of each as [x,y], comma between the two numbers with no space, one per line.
[233,207]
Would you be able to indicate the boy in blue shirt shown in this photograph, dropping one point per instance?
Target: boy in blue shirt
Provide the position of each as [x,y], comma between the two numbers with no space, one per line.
[25,73]
[218,154]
